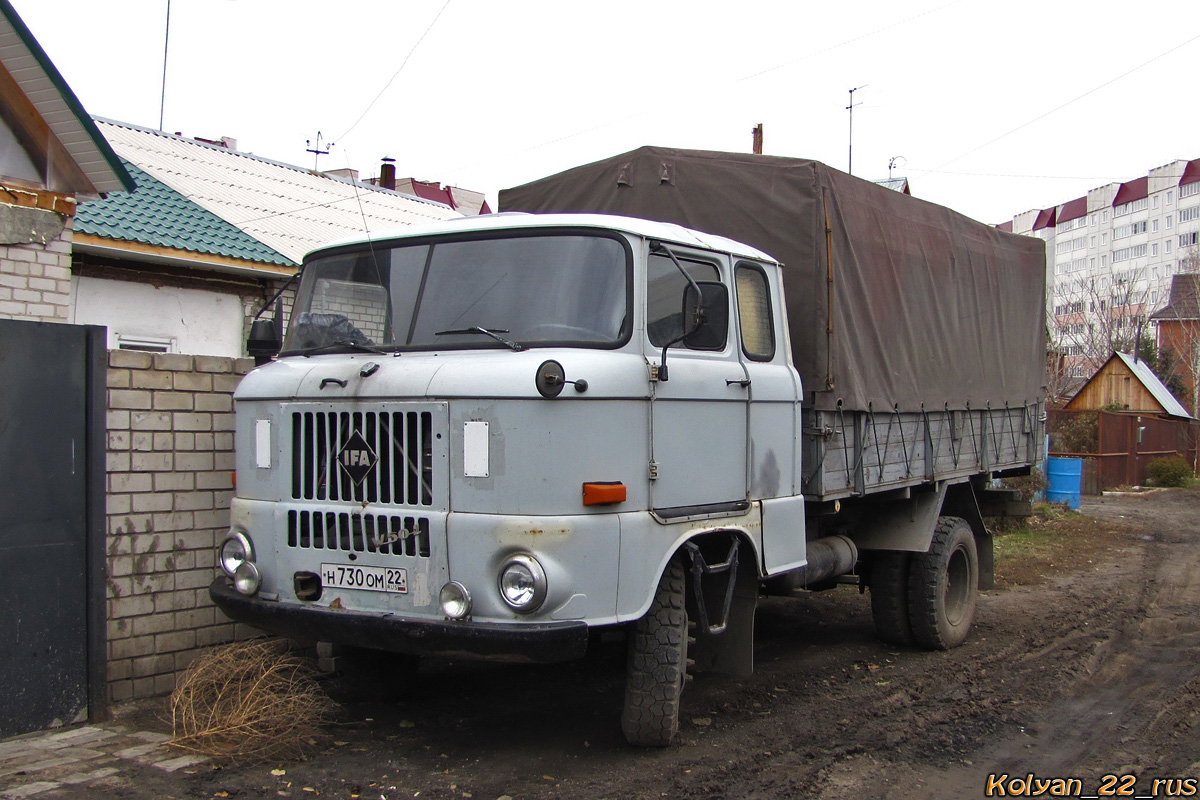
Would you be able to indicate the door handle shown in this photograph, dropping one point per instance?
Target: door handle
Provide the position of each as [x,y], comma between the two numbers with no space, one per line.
[742,382]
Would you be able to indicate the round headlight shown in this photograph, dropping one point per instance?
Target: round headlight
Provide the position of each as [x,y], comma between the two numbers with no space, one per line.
[455,600]
[234,550]
[246,578]
[523,583]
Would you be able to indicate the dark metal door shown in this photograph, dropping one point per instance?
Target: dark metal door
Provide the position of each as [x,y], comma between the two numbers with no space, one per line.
[51,524]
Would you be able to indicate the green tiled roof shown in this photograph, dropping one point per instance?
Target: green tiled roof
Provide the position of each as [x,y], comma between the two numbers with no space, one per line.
[155,214]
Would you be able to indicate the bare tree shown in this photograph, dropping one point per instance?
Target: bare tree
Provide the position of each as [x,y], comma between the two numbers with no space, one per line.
[1179,325]
[1093,315]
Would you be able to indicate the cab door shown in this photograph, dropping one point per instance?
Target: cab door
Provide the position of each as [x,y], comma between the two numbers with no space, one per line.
[773,408]
[698,415]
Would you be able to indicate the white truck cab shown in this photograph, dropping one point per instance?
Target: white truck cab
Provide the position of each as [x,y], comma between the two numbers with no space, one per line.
[493,436]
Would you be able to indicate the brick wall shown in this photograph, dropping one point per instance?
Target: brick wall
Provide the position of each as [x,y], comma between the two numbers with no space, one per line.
[35,264]
[170,464]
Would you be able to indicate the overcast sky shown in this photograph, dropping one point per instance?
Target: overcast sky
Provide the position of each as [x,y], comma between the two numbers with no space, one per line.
[993,108]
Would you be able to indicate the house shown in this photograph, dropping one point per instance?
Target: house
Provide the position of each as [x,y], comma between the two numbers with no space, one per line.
[51,156]
[1179,331]
[185,263]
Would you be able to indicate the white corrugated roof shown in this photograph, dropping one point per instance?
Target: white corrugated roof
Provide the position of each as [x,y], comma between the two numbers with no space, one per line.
[33,72]
[288,208]
[1151,381]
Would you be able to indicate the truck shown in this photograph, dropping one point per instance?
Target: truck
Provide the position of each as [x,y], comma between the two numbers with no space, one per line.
[678,382]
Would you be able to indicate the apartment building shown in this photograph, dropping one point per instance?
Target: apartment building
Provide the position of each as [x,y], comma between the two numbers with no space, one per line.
[1110,258]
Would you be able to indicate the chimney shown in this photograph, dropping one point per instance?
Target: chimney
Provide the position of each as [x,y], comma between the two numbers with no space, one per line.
[757,131]
[387,173]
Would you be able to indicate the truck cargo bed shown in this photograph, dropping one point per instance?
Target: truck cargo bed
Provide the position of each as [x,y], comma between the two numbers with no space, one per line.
[855,453]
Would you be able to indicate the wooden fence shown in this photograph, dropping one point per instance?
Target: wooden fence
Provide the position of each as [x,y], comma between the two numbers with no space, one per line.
[1120,444]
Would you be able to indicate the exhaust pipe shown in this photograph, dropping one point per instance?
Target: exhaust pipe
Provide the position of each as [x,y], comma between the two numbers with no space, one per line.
[827,558]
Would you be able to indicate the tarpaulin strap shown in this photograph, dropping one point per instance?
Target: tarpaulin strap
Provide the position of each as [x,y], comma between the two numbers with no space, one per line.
[953,449]
[904,444]
[846,446]
[974,433]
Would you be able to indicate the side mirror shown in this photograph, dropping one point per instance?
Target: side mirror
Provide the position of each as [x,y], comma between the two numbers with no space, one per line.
[263,343]
[706,318]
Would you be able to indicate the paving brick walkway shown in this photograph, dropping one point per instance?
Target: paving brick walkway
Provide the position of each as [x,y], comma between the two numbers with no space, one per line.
[89,755]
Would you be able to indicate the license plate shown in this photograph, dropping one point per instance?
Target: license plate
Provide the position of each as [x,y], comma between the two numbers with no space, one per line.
[371,579]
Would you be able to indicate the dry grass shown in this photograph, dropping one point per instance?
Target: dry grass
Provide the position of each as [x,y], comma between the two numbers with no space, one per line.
[249,701]
[1053,542]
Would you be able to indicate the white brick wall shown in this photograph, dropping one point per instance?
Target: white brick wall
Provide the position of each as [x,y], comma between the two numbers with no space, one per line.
[35,279]
[170,465]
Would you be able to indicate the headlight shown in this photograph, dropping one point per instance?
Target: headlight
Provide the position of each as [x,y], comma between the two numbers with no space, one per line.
[523,583]
[235,550]
[455,600]
[246,578]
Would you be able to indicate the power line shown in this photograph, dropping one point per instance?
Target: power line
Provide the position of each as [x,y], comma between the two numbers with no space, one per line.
[655,110]
[1058,108]
[396,74]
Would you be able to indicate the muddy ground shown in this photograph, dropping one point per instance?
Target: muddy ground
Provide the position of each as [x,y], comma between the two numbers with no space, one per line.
[1093,672]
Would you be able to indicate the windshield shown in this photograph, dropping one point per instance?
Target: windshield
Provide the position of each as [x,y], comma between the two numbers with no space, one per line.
[523,290]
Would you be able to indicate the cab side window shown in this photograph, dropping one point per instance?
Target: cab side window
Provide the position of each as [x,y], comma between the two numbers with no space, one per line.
[754,312]
[664,295]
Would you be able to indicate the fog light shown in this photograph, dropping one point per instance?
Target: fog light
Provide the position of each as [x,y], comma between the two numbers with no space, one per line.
[523,583]
[455,600]
[235,550]
[246,578]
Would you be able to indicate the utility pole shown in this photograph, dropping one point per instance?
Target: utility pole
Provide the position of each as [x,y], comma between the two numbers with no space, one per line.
[315,149]
[850,108]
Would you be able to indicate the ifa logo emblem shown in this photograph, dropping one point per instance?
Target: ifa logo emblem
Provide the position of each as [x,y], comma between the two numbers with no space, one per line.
[356,458]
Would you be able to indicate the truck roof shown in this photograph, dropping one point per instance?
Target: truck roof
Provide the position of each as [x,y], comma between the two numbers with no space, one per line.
[664,231]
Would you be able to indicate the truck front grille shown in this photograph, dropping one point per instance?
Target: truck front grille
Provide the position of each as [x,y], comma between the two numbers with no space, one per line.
[363,456]
[359,533]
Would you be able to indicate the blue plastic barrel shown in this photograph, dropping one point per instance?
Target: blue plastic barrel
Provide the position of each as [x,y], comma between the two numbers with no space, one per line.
[1066,478]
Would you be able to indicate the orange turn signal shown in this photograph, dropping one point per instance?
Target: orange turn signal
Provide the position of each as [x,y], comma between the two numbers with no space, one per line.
[603,493]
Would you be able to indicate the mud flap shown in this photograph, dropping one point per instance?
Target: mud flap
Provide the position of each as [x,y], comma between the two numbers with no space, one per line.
[721,600]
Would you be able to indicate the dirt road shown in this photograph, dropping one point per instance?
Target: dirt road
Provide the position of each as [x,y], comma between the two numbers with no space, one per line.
[1093,673]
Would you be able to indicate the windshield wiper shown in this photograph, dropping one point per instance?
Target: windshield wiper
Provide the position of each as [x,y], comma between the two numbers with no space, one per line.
[362,348]
[495,334]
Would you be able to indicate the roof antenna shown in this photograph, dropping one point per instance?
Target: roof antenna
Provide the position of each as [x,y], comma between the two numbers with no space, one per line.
[316,150]
[850,151]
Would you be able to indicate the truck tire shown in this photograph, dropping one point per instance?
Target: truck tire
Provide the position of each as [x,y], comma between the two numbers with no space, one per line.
[657,664]
[943,586]
[889,597]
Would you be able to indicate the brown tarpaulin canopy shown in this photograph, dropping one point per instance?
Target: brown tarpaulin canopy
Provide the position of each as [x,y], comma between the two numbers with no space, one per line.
[901,303]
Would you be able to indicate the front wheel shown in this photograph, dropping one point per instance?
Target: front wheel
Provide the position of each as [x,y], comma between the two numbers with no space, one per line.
[943,586]
[657,664]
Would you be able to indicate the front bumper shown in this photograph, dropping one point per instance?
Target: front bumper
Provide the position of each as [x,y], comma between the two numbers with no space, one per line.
[537,642]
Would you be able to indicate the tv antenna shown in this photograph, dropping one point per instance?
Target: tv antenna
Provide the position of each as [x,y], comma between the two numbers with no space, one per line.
[850,108]
[315,149]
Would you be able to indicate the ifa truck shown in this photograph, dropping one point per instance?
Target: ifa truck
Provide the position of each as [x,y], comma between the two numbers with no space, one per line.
[678,382]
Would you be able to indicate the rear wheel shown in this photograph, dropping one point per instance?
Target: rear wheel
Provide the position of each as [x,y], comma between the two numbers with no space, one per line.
[889,596]
[943,586]
[657,665]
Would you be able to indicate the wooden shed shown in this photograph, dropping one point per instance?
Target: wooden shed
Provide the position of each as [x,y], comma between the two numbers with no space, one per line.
[1124,384]
[1122,419]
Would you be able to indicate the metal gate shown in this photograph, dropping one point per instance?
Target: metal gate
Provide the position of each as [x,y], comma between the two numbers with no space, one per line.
[52,612]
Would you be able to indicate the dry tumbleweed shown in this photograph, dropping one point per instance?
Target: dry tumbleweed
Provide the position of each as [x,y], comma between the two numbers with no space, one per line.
[249,701]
